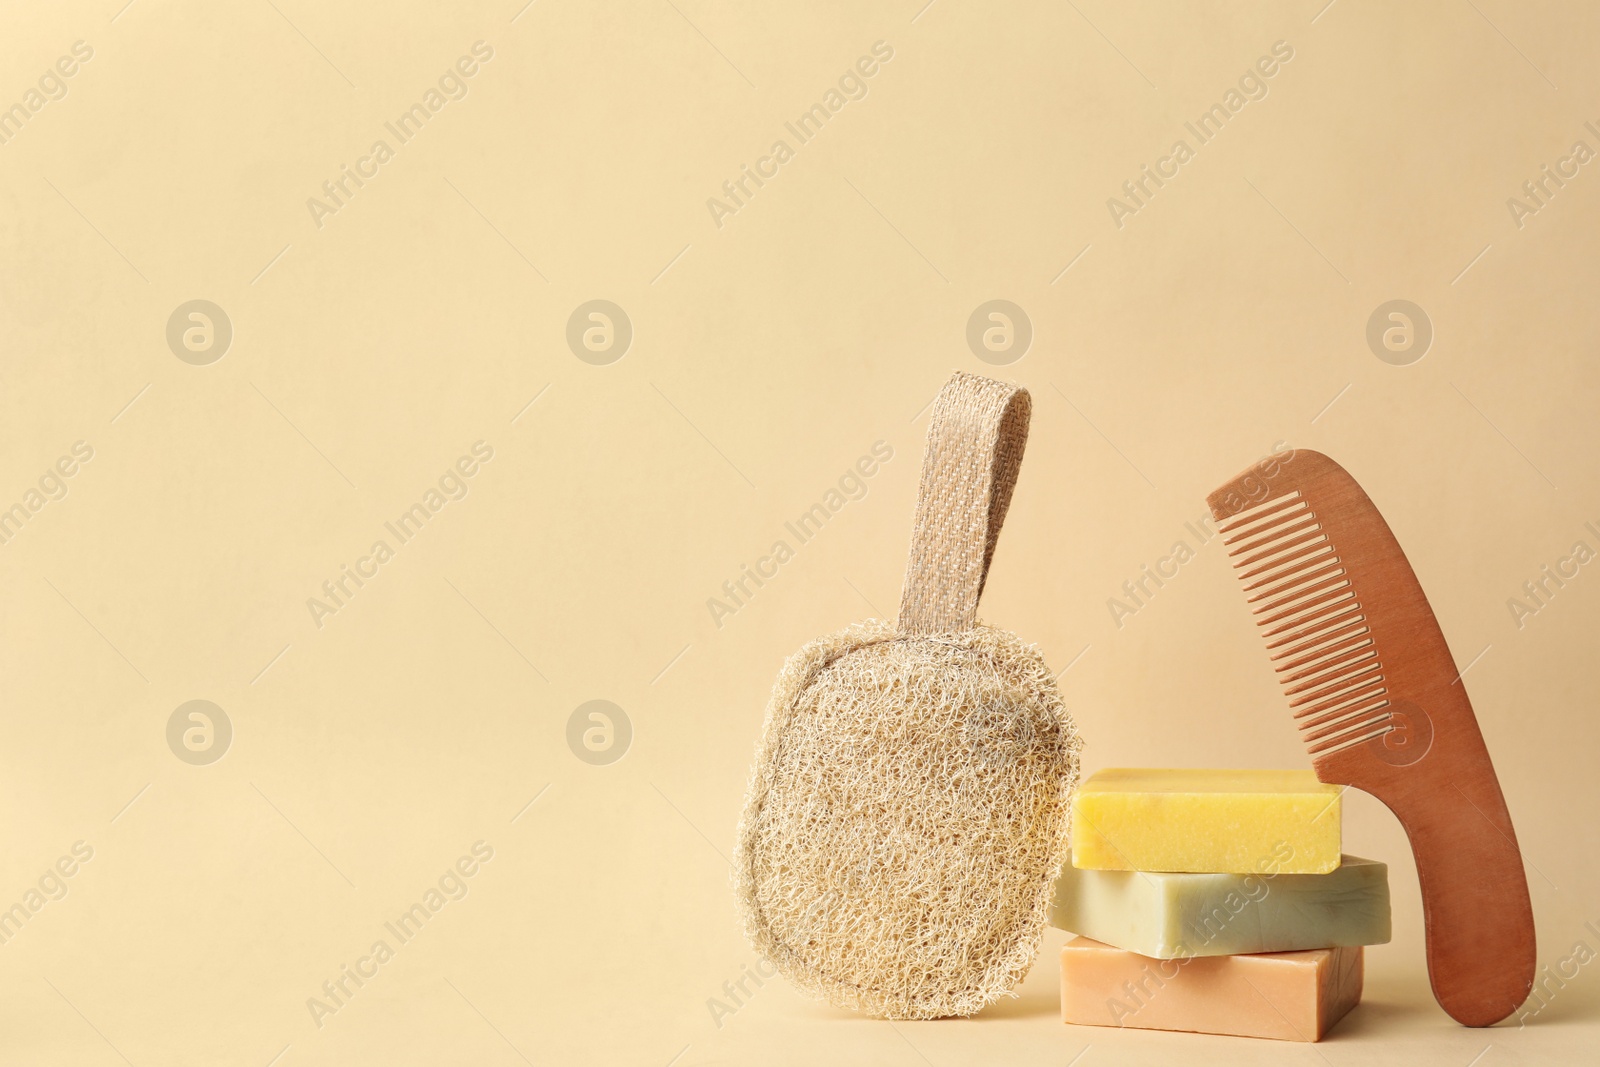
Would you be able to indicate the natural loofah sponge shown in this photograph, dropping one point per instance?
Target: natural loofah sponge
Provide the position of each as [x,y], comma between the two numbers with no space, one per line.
[908,812]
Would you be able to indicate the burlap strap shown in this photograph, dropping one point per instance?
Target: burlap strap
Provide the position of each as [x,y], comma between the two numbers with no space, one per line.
[975,442]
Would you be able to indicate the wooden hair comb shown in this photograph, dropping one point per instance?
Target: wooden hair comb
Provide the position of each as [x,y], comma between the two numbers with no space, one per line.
[1380,706]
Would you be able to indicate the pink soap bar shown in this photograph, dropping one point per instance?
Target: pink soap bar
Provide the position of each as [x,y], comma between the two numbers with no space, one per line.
[1290,996]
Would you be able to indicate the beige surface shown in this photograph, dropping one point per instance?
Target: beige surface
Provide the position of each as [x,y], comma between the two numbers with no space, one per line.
[767,357]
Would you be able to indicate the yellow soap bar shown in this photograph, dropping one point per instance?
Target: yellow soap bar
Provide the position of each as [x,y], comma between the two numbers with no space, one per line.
[1206,821]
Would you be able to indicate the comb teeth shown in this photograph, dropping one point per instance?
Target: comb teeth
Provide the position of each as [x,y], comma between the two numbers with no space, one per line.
[1316,631]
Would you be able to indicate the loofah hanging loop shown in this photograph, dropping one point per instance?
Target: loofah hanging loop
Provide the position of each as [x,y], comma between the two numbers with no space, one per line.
[908,811]
[978,431]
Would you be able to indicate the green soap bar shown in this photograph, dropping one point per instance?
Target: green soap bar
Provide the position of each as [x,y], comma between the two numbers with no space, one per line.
[1174,916]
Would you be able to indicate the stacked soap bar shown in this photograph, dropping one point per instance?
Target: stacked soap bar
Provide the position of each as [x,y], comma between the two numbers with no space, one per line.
[1291,996]
[1215,901]
[1206,821]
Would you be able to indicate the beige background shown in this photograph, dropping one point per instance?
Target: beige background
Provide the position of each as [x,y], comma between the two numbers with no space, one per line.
[372,752]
